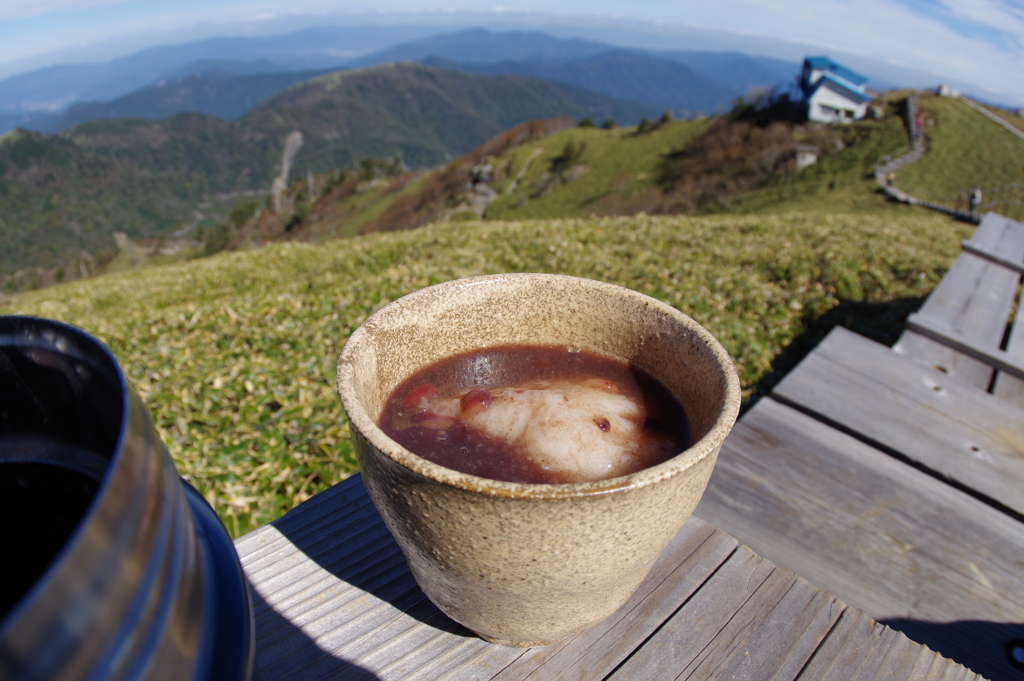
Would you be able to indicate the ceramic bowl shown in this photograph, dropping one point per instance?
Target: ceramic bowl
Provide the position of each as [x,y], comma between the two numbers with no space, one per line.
[530,564]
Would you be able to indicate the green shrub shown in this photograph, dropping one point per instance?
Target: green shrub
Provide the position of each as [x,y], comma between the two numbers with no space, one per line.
[464,216]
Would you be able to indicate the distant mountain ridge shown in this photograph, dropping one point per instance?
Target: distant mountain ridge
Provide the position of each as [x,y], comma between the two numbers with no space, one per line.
[214,92]
[681,80]
[237,72]
[736,70]
[53,87]
[481,46]
[624,74]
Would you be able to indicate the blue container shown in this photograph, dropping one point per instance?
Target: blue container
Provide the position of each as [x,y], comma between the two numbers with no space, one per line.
[115,567]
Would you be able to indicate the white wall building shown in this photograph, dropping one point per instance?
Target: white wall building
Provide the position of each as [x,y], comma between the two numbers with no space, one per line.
[833,93]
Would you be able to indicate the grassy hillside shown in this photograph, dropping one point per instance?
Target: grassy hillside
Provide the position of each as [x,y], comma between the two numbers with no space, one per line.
[701,166]
[842,181]
[1011,117]
[964,149]
[378,197]
[613,172]
[235,354]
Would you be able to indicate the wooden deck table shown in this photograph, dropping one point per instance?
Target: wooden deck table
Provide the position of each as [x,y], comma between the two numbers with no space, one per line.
[894,478]
[965,328]
[334,599]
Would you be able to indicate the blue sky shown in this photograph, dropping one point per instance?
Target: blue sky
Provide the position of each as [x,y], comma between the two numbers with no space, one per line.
[974,41]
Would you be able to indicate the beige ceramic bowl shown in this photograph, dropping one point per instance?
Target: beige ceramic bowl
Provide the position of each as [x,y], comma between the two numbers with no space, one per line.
[530,564]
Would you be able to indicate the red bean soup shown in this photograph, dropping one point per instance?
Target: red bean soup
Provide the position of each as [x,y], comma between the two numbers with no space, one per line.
[536,414]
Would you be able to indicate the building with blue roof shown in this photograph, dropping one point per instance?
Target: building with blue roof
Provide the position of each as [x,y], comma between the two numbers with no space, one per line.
[832,92]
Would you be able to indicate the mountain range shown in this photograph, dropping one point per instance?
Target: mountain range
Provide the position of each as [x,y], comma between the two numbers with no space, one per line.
[215,91]
[227,77]
[627,75]
[67,193]
[54,87]
[680,80]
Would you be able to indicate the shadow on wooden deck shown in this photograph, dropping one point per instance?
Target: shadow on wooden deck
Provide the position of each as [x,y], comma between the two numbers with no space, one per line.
[881,322]
[303,652]
[977,634]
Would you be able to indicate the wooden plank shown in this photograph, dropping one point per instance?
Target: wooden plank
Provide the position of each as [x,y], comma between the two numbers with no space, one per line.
[948,336]
[969,247]
[771,623]
[768,638]
[428,645]
[1006,386]
[771,636]
[860,649]
[1000,236]
[974,299]
[706,615]
[963,368]
[958,431]
[693,556]
[882,536]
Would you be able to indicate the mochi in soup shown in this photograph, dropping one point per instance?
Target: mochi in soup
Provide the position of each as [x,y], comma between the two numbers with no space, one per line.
[536,414]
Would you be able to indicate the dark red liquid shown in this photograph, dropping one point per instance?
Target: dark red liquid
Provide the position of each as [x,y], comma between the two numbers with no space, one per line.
[433,412]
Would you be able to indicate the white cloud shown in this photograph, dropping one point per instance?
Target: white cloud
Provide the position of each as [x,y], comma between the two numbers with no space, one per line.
[1001,16]
[889,31]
